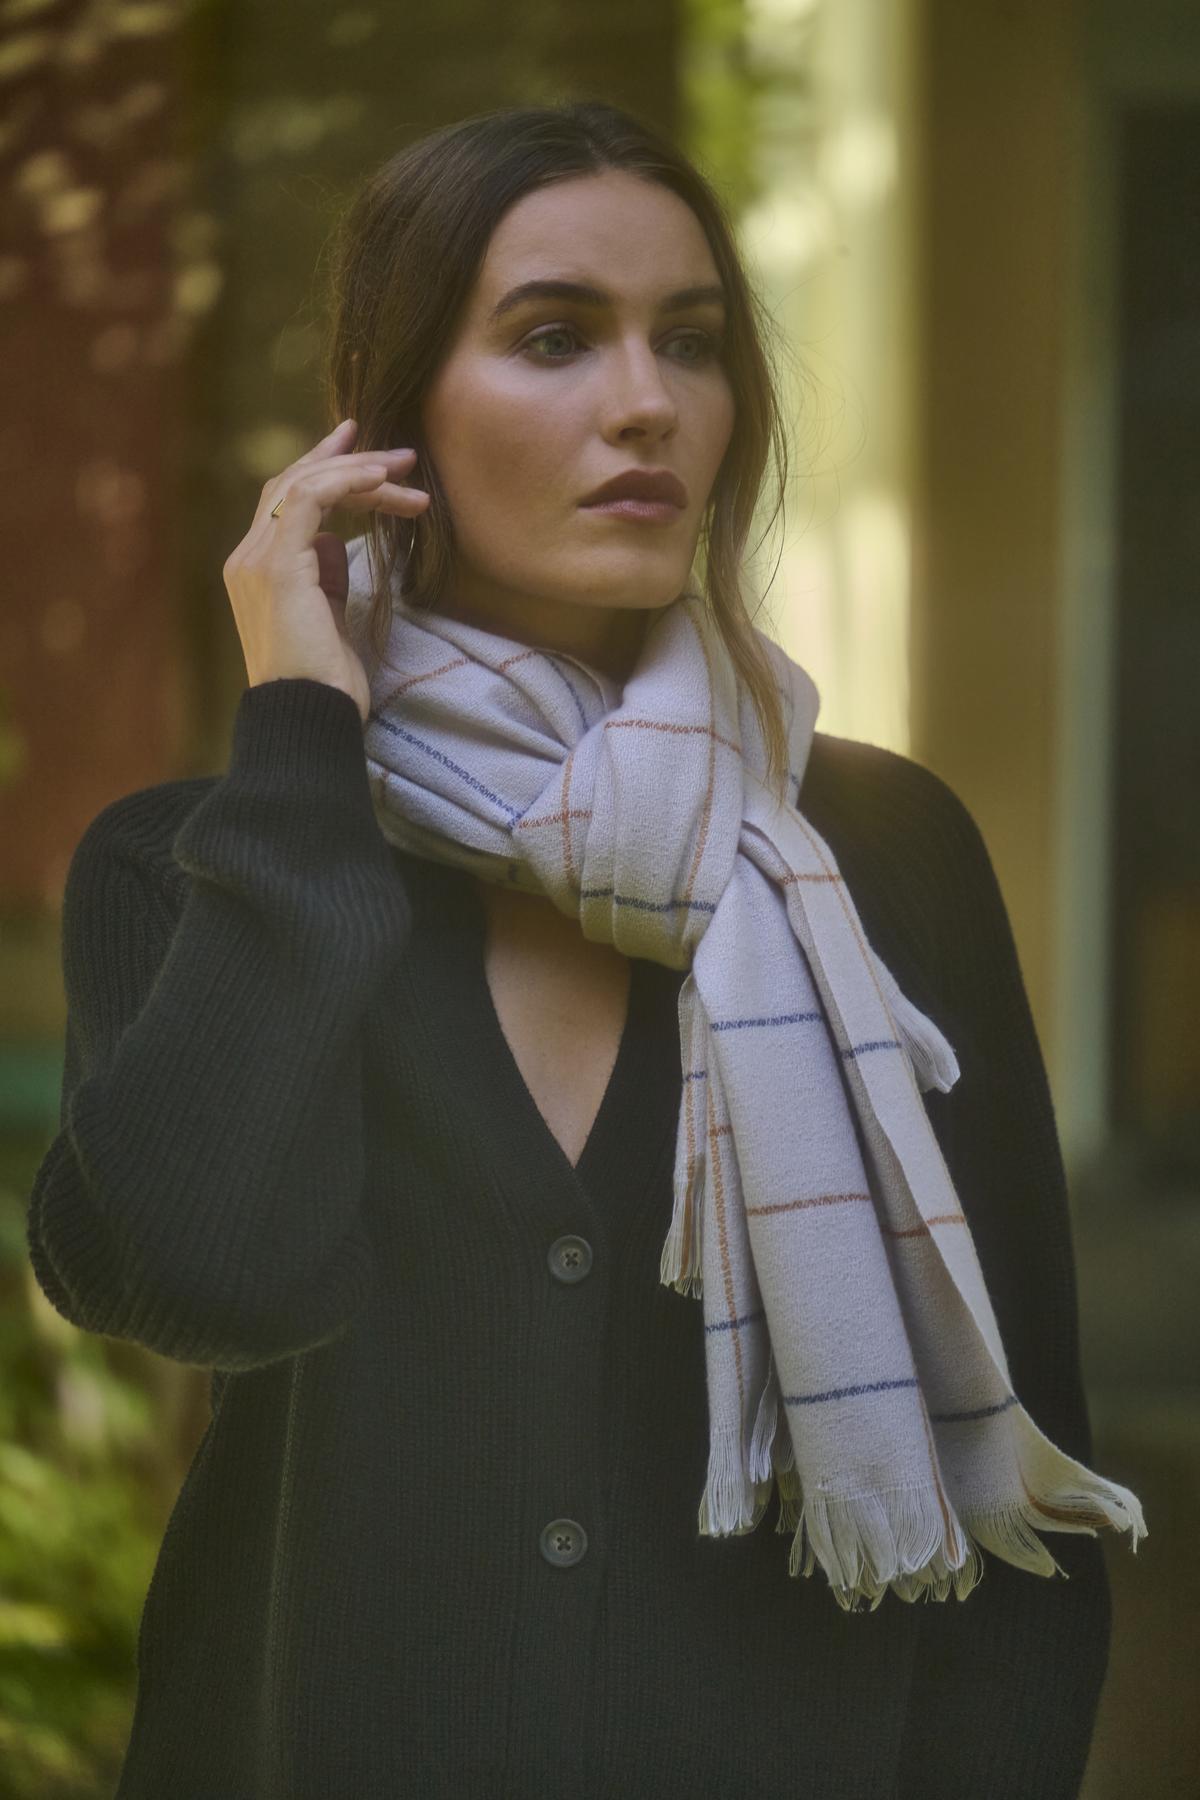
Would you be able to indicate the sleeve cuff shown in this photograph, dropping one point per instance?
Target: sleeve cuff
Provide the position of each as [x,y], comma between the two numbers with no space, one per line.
[296,733]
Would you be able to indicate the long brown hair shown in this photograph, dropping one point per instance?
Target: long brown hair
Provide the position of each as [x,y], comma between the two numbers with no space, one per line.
[402,261]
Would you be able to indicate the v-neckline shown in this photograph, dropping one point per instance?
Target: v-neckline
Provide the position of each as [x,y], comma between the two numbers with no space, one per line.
[455,1000]
[495,1055]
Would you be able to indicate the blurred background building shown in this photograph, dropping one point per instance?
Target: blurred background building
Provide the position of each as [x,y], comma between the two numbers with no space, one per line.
[978,226]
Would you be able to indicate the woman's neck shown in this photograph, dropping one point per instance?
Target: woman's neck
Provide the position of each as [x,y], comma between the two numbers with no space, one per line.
[607,638]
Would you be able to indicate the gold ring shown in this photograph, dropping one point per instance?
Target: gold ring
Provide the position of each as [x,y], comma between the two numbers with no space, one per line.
[278,507]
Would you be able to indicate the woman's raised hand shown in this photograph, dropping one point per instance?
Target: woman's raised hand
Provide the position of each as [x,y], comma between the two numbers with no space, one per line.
[288,580]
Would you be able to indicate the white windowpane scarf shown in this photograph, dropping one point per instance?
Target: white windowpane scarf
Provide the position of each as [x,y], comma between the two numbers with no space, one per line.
[852,1353]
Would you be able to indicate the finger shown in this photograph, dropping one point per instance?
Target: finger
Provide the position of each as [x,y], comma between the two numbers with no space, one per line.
[309,496]
[388,493]
[332,444]
[391,460]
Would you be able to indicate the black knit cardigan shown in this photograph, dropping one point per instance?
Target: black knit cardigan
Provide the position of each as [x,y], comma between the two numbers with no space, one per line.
[440,1536]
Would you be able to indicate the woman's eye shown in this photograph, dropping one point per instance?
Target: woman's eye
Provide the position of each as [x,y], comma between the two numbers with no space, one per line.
[548,331]
[703,343]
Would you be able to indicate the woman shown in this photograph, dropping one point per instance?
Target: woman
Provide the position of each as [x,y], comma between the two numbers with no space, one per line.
[562,1095]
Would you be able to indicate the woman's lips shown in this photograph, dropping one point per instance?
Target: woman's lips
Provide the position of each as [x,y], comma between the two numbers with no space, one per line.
[650,512]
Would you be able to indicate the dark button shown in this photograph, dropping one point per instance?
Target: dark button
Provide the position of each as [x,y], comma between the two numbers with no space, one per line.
[570,1258]
[563,1542]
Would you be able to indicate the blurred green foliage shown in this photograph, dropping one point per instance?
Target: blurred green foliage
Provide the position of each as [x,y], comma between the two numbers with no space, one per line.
[79,1531]
[718,88]
[79,1524]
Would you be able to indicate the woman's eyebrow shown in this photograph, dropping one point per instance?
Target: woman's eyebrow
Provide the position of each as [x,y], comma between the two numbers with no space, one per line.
[585,295]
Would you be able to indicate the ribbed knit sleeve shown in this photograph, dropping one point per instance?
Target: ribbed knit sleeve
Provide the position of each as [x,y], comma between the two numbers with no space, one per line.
[203,1195]
[1007,1683]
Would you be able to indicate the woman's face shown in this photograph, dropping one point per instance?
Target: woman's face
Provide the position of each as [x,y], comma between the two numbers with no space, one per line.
[543,397]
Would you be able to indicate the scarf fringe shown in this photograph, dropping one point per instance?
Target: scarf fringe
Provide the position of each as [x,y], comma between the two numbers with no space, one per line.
[681,1264]
[897,1537]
